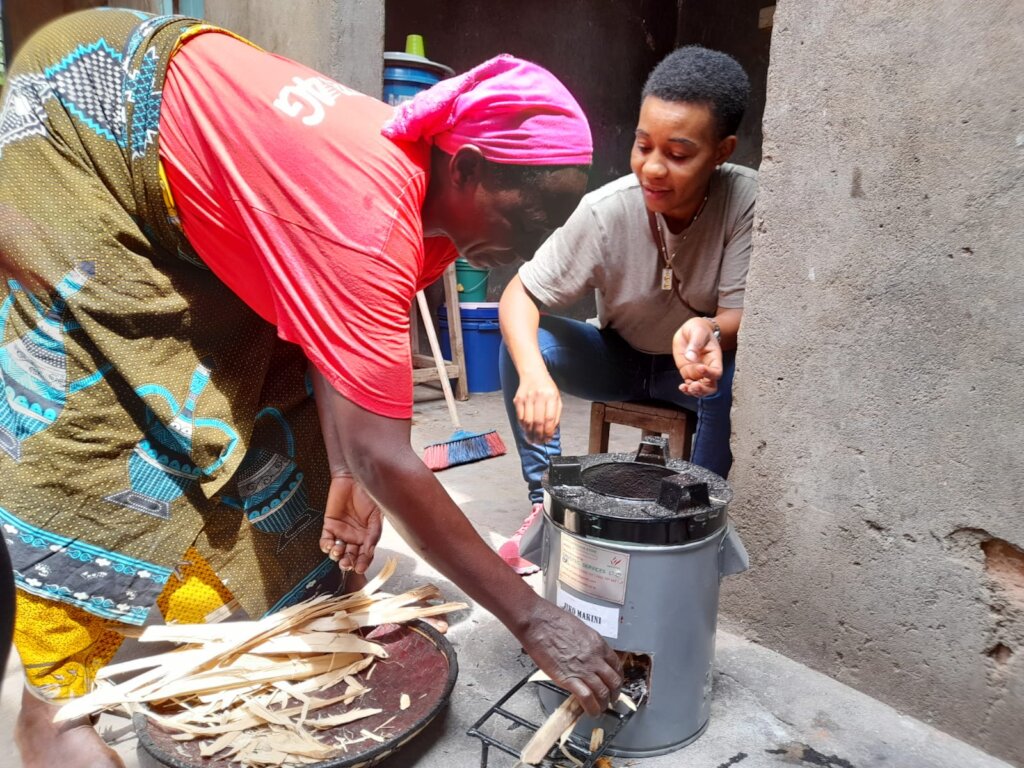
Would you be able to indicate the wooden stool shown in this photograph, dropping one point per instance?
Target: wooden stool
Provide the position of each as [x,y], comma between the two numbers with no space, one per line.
[423,368]
[651,418]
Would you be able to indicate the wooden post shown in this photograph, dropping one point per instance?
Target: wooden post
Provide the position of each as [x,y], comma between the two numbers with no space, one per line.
[451,298]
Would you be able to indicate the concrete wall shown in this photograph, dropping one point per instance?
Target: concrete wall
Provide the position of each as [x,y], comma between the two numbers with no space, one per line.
[22,18]
[342,39]
[879,414]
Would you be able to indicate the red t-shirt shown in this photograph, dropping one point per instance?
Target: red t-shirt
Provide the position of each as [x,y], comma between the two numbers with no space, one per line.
[288,192]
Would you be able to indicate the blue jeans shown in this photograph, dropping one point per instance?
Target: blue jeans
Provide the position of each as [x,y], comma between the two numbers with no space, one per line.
[599,365]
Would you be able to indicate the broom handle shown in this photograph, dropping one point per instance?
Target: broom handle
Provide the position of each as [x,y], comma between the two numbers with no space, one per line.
[442,373]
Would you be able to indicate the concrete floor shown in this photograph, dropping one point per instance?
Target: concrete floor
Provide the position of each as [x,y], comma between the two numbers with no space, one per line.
[767,710]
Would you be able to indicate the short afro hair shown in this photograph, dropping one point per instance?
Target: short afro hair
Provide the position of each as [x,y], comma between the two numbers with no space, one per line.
[701,76]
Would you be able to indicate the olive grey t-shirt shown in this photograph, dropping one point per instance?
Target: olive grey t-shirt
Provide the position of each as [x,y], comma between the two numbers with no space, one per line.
[607,246]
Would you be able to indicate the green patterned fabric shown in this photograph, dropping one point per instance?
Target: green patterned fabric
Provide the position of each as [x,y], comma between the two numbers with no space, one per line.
[145,408]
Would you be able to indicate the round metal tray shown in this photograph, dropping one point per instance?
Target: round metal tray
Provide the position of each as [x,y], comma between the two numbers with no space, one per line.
[421,663]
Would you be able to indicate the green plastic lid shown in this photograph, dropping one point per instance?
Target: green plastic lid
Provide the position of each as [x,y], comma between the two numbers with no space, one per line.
[414,45]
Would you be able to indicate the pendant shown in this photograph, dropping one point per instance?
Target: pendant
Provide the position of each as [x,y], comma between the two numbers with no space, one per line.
[666,279]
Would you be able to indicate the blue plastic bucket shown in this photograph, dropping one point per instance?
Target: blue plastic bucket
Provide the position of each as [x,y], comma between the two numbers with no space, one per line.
[406,74]
[481,339]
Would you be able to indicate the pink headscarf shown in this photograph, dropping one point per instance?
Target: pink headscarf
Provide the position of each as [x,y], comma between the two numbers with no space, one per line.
[515,111]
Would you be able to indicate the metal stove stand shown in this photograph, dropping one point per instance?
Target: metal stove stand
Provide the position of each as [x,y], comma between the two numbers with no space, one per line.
[554,756]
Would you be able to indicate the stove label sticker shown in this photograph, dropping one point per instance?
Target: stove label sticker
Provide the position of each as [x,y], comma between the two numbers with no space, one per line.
[593,571]
[600,618]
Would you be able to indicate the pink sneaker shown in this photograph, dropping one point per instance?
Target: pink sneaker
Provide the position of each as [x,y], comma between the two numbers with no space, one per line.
[509,551]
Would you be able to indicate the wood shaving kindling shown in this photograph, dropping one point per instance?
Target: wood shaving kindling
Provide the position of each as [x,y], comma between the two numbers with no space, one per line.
[246,690]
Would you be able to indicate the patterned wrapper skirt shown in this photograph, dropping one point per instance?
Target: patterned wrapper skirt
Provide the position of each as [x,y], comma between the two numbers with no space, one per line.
[151,425]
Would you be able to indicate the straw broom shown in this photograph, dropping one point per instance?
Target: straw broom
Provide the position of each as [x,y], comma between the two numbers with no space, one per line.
[462,447]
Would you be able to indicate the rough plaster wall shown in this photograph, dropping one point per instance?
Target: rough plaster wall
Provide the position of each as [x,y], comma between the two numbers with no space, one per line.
[22,18]
[343,39]
[880,394]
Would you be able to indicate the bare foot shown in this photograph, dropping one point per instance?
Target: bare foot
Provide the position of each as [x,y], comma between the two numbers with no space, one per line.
[43,743]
